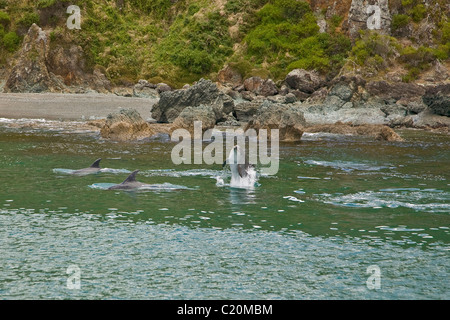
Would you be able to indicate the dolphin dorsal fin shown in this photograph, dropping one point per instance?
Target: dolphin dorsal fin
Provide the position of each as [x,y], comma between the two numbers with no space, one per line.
[131,177]
[96,164]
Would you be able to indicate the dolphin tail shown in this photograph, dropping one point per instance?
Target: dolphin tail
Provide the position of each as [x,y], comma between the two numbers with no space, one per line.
[96,164]
[131,177]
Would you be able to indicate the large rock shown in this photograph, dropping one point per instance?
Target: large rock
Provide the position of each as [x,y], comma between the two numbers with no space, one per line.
[68,62]
[394,91]
[261,87]
[30,73]
[246,110]
[437,98]
[229,76]
[305,81]
[204,92]
[203,113]
[287,118]
[125,126]
[145,89]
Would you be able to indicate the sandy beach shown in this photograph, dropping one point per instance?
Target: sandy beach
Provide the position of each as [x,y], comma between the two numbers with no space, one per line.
[57,106]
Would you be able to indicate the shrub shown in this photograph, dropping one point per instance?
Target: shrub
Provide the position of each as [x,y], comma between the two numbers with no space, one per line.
[5,20]
[11,41]
[287,37]
[198,46]
[399,21]
[28,19]
[418,12]
[373,44]
[446,32]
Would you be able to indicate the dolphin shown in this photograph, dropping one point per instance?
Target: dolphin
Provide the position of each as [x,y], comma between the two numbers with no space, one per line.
[129,183]
[237,169]
[94,168]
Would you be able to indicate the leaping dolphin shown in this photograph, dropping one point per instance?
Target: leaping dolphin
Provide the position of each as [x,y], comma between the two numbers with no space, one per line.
[129,183]
[94,168]
[239,166]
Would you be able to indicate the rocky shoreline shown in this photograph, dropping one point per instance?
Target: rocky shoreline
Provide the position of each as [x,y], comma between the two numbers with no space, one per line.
[303,99]
[347,105]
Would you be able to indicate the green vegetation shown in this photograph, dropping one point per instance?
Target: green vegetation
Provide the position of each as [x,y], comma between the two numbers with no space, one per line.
[178,42]
[399,21]
[197,46]
[157,8]
[27,20]
[4,19]
[418,12]
[286,36]
[374,50]
[11,41]
[419,60]
[41,4]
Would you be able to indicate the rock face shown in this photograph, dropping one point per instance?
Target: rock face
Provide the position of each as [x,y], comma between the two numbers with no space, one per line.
[394,91]
[438,99]
[125,126]
[288,118]
[302,80]
[204,92]
[30,73]
[369,14]
[39,67]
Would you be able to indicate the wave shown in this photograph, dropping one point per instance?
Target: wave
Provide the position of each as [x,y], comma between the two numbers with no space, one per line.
[348,165]
[428,200]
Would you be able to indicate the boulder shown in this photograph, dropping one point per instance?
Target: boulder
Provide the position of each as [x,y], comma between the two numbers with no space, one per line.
[305,81]
[99,82]
[145,89]
[342,90]
[126,125]
[247,95]
[187,117]
[229,76]
[246,110]
[204,92]
[394,91]
[163,87]
[287,118]
[261,87]
[437,98]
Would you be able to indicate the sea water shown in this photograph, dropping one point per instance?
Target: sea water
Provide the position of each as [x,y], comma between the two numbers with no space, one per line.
[337,206]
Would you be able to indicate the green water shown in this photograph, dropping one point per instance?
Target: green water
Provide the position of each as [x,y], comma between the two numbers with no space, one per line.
[337,206]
